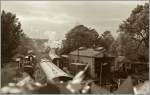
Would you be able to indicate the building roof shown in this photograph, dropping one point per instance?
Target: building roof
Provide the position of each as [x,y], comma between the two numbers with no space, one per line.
[89,52]
[145,63]
[85,52]
[122,59]
[17,56]
[81,48]
[66,56]
[78,64]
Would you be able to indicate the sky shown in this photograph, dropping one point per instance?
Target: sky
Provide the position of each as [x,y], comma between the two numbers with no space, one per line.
[53,19]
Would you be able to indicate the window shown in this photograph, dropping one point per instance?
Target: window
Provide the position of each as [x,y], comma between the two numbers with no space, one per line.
[73,61]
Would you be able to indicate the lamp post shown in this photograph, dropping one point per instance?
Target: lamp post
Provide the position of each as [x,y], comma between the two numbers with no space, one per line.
[101,74]
[18,65]
[18,62]
[78,55]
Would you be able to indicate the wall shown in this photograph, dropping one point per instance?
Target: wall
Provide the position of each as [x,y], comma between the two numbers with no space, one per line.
[84,60]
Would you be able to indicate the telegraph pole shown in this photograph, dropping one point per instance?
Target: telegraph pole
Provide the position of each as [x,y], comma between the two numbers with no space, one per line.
[78,55]
[101,74]
[78,52]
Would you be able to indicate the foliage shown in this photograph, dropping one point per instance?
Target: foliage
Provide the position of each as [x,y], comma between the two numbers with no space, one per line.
[137,25]
[105,40]
[79,36]
[10,34]
[13,40]
[125,46]
[133,38]
[26,44]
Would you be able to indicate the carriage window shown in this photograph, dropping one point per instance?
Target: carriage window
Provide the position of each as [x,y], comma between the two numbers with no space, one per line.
[76,61]
[73,61]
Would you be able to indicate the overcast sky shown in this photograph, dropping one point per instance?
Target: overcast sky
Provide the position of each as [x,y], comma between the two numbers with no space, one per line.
[43,19]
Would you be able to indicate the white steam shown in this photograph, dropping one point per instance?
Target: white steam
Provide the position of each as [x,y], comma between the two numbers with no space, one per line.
[52,40]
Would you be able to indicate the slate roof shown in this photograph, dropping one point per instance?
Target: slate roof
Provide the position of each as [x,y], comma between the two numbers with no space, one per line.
[86,52]
[89,52]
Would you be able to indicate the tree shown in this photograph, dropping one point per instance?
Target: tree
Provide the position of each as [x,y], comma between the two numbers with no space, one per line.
[26,44]
[105,40]
[137,25]
[126,46]
[133,38]
[10,34]
[80,36]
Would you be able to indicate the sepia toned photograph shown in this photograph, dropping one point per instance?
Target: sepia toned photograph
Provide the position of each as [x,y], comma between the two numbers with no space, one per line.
[75,47]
